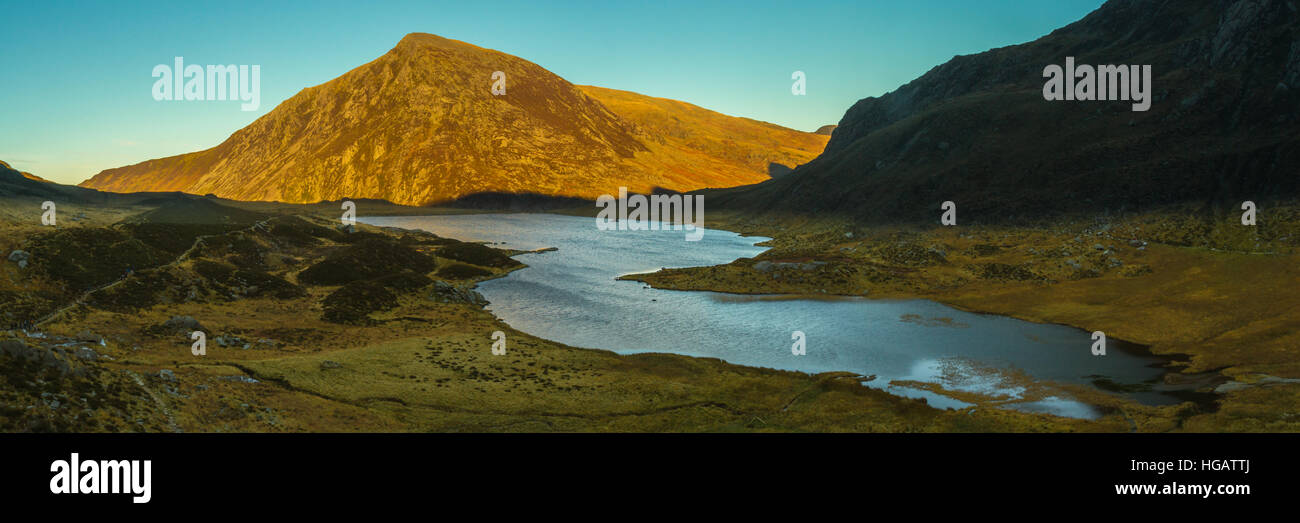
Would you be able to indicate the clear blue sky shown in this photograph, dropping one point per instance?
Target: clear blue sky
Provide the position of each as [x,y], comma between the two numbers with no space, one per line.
[76,94]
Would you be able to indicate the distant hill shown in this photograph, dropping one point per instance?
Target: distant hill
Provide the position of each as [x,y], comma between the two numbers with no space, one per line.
[825,129]
[14,184]
[26,185]
[421,125]
[25,174]
[1222,126]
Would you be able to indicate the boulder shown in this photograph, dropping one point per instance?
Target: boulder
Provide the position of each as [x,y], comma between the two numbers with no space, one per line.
[20,257]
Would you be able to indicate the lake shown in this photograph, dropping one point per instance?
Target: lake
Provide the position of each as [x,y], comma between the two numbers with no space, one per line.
[571,296]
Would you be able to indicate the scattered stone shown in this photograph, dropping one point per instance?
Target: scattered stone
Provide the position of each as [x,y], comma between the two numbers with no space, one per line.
[20,257]
[167,375]
[327,364]
[88,337]
[180,325]
[86,353]
[444,292]
[241,379]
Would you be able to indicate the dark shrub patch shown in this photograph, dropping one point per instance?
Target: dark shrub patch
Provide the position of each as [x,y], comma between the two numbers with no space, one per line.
[249,283]
[173,238]
[245,251]
[353,303]
[84,258]
[141,291]
[258,283]
[360,236]
[214,271]
[985,249]
[302,233]
[477,254]
[19,307]
[367,259]
[1003,271]
[460,271]
[404,282]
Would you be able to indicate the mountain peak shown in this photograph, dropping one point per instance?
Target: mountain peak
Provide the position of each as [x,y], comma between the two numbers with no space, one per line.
[427,40]
[426,123]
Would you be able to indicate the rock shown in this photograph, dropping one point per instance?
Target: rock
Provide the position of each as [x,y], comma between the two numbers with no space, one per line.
[182,325]
[444,292]
[88,337]
[241,379]
[327,364]
[47,358]
[15,349]
[20,257]
[86,353]
[167,375]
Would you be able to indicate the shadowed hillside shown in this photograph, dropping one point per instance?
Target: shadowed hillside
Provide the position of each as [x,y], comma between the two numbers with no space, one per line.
[977,130]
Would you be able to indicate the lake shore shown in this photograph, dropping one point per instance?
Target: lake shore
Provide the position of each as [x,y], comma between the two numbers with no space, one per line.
[1229,307]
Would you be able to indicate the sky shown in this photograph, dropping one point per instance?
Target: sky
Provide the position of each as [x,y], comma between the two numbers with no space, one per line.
[77,93]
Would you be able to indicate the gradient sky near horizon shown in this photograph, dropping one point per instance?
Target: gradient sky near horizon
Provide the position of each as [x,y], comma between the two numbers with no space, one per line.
[76,97]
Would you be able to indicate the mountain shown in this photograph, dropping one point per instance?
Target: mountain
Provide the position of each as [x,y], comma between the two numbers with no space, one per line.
[24,174]
[978,131]
[685,140]
[825,129]
[14,183]
[26,186]
[421,124]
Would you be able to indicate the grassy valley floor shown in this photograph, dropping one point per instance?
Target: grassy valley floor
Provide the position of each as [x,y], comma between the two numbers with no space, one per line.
[309,328]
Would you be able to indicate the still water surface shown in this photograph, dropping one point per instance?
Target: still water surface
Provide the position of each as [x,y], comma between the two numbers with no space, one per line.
[571,296]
